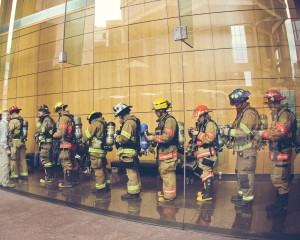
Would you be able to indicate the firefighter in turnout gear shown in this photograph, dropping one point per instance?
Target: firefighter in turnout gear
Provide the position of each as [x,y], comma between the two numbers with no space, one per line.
[65,132]
[128,148]
[45,128]
[17,139]
[167,152]
[206,131]
[280,146]
[95,136]
[245,123]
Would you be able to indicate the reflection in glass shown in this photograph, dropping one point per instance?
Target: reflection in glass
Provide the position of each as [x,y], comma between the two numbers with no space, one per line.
[185,9]
[239,45]
[106,11]
[74,32]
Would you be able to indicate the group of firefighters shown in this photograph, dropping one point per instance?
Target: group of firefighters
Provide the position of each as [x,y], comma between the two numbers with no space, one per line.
[242,137]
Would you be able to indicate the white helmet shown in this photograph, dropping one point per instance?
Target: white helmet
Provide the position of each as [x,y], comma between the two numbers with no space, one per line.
[119,108]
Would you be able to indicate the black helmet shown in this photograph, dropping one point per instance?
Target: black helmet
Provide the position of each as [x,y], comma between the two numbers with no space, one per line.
[93,115]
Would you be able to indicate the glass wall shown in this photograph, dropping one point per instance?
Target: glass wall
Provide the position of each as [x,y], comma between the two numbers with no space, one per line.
[124,51]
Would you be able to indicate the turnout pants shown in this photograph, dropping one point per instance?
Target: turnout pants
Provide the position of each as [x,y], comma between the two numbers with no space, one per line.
[167,172]
[98,164]
[18,162]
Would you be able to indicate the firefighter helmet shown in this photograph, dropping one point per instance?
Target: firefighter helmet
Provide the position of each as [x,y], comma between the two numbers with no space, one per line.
[13,109]
[161,103]
[43,108]
[273,95]
[93,115]
[237,96]
[58,106]
[200,110]
[121,108]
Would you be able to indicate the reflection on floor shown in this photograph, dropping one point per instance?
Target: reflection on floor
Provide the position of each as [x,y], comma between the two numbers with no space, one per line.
[219,213]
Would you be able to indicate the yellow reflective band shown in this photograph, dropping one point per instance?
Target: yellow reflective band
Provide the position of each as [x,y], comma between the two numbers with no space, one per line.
[248,198]
[232,132]
[16,140]
[244,128]
[48,139]
[51,131]
[47,165]
[97,150]
[24,174]
[133,188]
[17,131]
[126,134]
[87,133]
[38,124]
[100,186]
[240,192]
[126,151]
[108,181]
[42,129]
[241,148]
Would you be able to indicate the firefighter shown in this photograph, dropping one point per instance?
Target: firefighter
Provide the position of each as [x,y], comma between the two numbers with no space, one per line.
[95,136]
[66,133]
[17,138]
[45,128]
[245,123]
[128,148]
[280,146]
[206,131]
[167,153]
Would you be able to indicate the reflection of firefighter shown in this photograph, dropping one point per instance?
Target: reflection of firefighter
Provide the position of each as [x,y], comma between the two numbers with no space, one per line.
[205,213]
[134,206]
[167,153]
[45,128]
[167,210]
[243,219]
[280,145]
[128,145]
[18,129]
[206,154]
[102,201]
[95,134]
[245,123]
[66,134]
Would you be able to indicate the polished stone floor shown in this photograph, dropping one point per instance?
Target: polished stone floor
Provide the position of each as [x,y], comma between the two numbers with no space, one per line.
[219,216]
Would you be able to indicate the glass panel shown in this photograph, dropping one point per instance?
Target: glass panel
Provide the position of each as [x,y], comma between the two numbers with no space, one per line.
[74,31]
[186,19]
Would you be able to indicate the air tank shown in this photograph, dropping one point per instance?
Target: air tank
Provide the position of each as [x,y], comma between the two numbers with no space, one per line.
[111,128]
[78,128]
[181,134]
[144,143]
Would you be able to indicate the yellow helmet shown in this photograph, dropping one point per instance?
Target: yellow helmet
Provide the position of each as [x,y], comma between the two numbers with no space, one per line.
[93,115]
[160,103]
[58,106]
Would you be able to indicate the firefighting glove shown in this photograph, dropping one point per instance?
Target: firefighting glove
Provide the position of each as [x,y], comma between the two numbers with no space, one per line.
[149,138]
[225,130]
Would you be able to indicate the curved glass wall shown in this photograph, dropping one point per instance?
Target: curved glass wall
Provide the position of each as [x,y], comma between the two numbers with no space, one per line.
[92,55]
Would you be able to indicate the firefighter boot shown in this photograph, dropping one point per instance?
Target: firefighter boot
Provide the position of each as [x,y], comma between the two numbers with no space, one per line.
[274,205]
[207,194]
[75,176]
[280,210]
[49,176]
[67,183]
[129,196]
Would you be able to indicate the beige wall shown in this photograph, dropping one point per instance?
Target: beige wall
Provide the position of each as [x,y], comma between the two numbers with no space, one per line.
[135,60]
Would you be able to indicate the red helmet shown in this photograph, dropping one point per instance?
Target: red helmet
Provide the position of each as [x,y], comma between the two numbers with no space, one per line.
[14,109]
[200,110]
[273,95]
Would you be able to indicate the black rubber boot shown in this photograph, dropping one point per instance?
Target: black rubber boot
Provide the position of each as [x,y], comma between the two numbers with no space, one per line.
[280,210]
[75,176]
[102,190]
[129,196]
[67,183]
[274,205]
[207,194]
[236,198]
[243,203]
